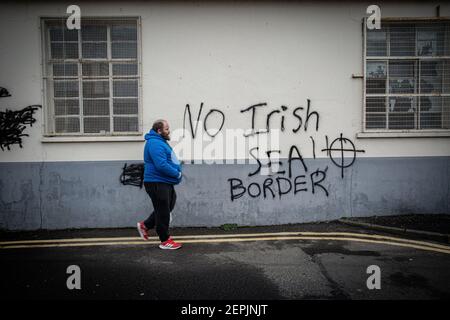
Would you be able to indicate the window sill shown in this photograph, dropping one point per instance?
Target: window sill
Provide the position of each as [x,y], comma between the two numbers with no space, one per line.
[426,134]
[93,139]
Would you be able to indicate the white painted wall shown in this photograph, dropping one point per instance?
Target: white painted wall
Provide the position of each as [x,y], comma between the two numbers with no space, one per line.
[227,55]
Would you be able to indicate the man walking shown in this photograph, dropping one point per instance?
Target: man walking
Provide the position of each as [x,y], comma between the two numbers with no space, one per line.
[162,171]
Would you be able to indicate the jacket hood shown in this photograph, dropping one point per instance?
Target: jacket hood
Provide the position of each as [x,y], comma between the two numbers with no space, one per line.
[152,134]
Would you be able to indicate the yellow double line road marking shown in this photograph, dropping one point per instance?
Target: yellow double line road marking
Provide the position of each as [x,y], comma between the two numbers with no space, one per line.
[243,237]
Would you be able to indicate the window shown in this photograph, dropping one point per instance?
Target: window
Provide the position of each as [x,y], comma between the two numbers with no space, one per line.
[92,77]
[407,76]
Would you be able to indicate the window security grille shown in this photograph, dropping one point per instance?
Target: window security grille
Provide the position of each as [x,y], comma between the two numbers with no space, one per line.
[92,77]
[407,76]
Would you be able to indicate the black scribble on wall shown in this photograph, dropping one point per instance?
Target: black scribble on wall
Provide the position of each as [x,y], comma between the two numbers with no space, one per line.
[280,114]
[4,93]
[253,108]
[342,153]
[280,185]
[344,147]
[187,111]
[133,175]
[12,124]
[206,118]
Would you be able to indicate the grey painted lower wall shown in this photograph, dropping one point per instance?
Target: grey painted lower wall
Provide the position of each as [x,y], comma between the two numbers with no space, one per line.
[59,195]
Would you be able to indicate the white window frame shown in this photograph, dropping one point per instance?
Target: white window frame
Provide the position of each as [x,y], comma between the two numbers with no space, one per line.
[397,133]
[48,109]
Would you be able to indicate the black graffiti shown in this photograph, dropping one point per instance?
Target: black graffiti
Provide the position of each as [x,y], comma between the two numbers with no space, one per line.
[269,164]
[221,125]
[133,174]
[4,93]
[299,158]
[308,120]
[342,152]
[281,111]
[257,160]
[317,183]
[187,110]
[313,146]
[309,115]
[13,123]
[280,186]
[326,143]
[295,155]
[253,108]
[269,153]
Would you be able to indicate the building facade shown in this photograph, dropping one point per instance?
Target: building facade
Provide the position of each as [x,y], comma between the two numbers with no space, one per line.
[281,112]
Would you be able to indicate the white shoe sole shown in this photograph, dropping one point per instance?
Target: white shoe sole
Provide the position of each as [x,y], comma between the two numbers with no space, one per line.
[168,248]
[140,232]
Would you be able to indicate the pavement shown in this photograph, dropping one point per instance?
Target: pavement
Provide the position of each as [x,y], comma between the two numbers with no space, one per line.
[434,227]
[291,262]
[436,223]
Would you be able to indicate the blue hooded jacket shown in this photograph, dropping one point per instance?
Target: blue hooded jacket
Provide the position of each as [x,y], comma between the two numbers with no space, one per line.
[161,163]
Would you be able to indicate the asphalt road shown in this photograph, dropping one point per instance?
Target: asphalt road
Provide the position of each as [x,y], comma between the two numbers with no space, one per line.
[257,269]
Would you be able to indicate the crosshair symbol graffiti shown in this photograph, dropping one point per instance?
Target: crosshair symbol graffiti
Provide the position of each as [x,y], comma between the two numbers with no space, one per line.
[344,163]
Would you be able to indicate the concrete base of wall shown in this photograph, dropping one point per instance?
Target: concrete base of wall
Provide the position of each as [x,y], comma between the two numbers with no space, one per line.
[60,195]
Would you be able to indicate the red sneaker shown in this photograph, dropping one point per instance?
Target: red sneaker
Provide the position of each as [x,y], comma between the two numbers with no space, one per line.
[143,231]
[169,244]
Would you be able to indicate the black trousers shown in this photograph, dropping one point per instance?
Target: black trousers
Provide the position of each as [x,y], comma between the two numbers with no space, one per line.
[163,198]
